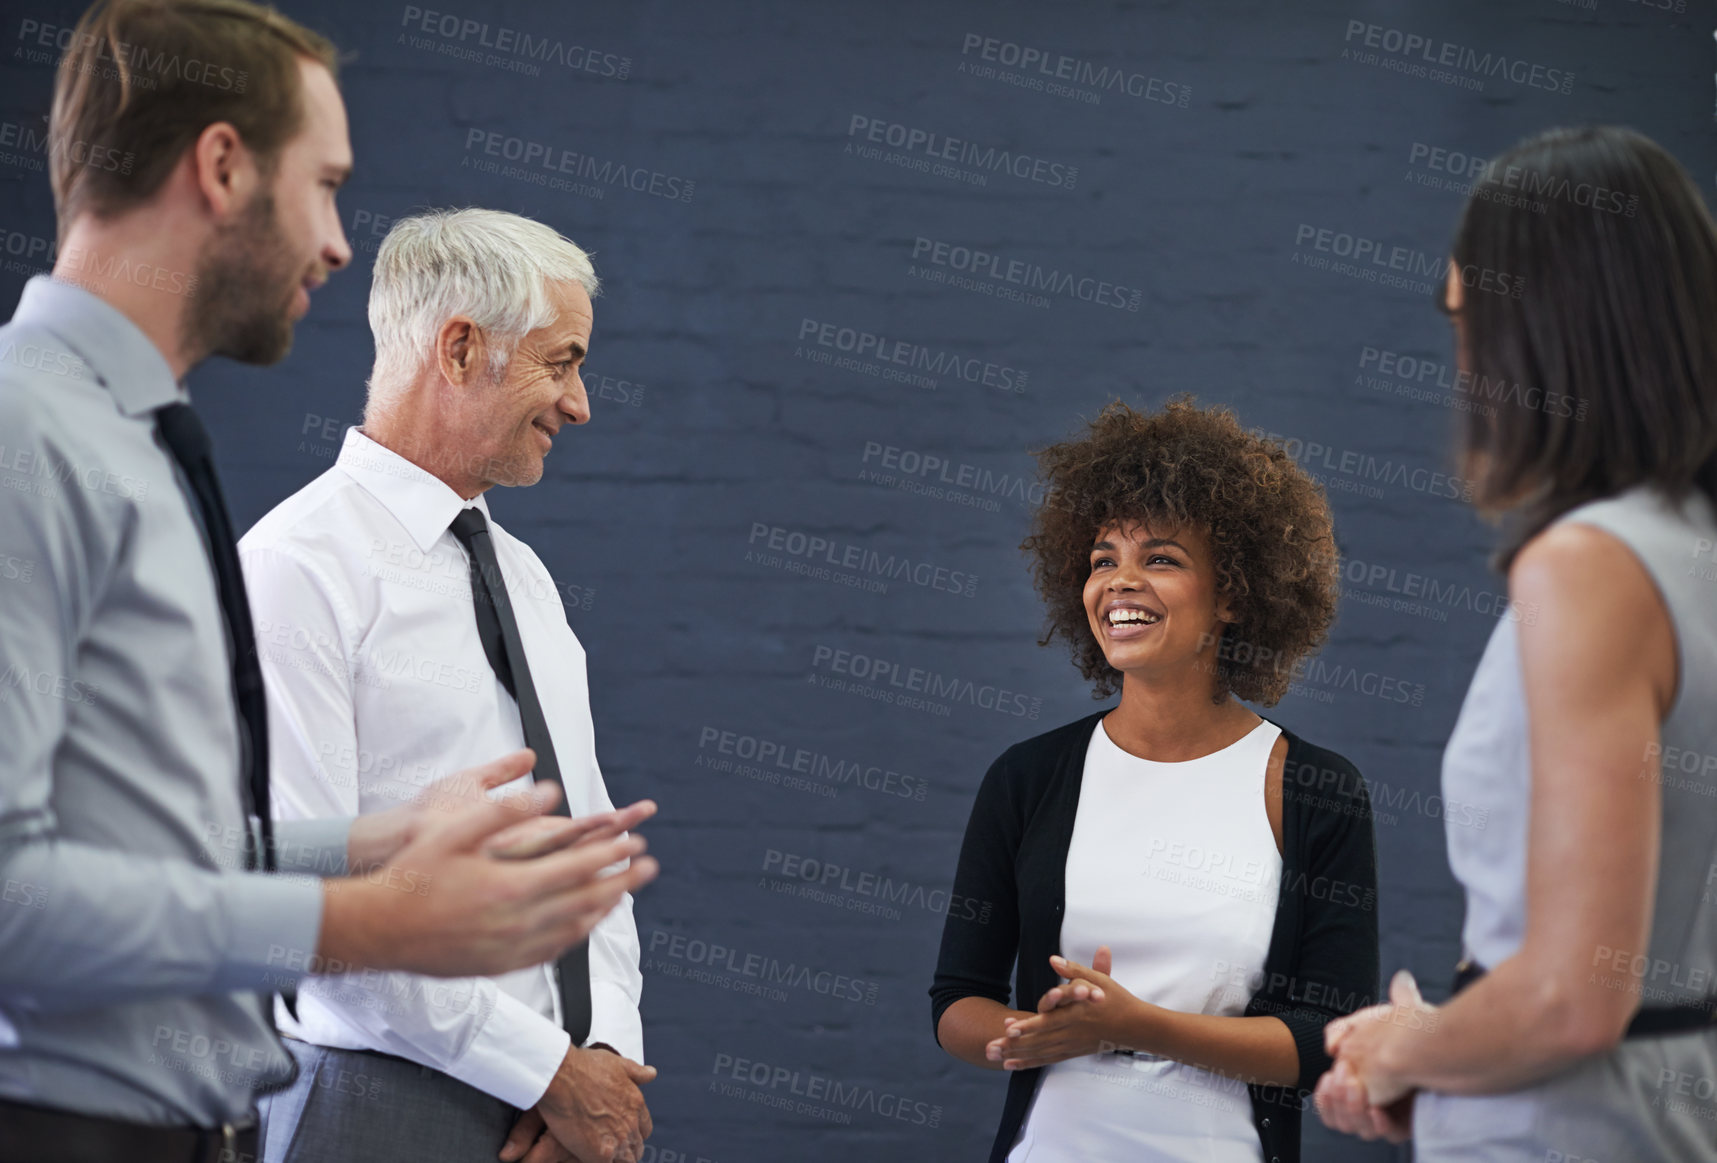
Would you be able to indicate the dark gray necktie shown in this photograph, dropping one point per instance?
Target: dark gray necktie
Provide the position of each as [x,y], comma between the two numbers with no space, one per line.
[188,441]
[499,631]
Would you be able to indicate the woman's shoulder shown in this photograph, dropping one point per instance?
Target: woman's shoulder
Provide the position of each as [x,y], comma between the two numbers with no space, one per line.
[1023,778]
[1043,750]
[1311,772]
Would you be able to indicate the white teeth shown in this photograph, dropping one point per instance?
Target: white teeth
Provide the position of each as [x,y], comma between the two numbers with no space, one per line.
[1131,617]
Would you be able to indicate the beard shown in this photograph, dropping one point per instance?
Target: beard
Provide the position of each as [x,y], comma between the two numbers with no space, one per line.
[246,280]
[519,464]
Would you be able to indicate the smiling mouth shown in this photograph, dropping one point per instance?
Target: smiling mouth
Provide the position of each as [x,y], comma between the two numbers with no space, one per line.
[1122,618]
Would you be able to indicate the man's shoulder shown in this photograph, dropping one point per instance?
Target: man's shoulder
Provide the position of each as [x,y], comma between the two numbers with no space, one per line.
[538,583]
[503,535]
[520,549]
[307,520]
[65,446]
[320,536]
[46,389]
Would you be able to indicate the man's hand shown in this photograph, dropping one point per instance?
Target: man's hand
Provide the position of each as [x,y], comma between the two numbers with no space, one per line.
[594,1108]
[530,1142]
[539,835]
[377,837]
[448,906]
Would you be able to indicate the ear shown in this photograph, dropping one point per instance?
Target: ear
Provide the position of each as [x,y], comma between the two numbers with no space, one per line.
[460,353]
[1225,609]
[223,169]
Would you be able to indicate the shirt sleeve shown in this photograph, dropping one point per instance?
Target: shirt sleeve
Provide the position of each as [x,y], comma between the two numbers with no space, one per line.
[616,983]
[467,1028]
[82,924]
[616,980]
[513,1055]
[978,956]
[312,847]
[1338,968]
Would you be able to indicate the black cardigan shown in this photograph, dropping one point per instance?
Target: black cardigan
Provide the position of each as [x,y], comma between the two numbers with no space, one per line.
[1322,961]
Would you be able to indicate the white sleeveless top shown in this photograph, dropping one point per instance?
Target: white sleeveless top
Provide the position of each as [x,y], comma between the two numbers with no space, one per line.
[1174,867]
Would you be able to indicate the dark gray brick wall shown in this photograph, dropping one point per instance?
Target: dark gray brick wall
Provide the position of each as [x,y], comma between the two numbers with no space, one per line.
[717,413]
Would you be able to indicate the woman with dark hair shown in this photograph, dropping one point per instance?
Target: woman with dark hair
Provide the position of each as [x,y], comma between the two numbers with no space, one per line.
[1202,878]
[1583,1022]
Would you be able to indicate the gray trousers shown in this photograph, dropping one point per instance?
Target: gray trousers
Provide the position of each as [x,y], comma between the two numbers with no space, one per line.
[1646,1099]
[351,1106]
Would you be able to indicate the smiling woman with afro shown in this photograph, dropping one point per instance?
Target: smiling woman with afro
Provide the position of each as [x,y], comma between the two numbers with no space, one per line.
[1188,890]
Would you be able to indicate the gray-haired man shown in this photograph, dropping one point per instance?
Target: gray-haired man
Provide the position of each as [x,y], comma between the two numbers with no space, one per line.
[404,632]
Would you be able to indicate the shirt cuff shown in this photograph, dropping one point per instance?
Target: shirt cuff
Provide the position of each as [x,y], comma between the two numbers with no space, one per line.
[514,1054]
[614,1020]
[315,846]
[272,924]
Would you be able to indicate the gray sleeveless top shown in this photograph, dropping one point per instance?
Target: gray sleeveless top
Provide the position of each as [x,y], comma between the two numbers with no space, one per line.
[1628,1102]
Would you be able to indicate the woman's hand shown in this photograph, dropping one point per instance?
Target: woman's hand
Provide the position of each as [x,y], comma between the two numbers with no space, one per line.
[1079,989]
[1360,1095]
[1073,1020]
[1343,1105]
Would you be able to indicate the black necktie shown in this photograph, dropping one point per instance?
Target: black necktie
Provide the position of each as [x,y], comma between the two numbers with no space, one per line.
[499,631]
[188,441]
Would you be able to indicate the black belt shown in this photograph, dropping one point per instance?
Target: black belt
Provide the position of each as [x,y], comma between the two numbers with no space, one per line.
[1648,1021]
[39,1134]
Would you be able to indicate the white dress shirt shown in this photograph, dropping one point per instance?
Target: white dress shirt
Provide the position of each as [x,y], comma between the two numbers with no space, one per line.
[378,686]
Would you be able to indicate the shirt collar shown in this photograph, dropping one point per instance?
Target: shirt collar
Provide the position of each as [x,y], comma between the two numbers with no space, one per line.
[420,501]
[122,359]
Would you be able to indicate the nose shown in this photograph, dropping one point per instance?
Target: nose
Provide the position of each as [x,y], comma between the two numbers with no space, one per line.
[336,252]
[1125,578]
[574,404]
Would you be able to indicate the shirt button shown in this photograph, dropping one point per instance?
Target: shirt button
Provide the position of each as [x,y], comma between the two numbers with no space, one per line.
[1265,1123]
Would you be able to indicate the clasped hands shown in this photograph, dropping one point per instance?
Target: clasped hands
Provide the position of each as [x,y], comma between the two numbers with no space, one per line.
[1091,1014]
[1082,1017]
[593,1112]
[1358,1095]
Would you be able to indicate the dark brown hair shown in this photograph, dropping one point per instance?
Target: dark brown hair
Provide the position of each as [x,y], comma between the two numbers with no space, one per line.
[141,79]
[1607,358]
[1271,537]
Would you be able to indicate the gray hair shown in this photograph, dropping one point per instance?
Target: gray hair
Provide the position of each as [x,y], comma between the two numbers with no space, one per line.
[487,264]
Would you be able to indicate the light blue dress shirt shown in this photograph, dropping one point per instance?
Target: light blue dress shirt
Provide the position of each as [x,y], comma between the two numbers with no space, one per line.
[136,954]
